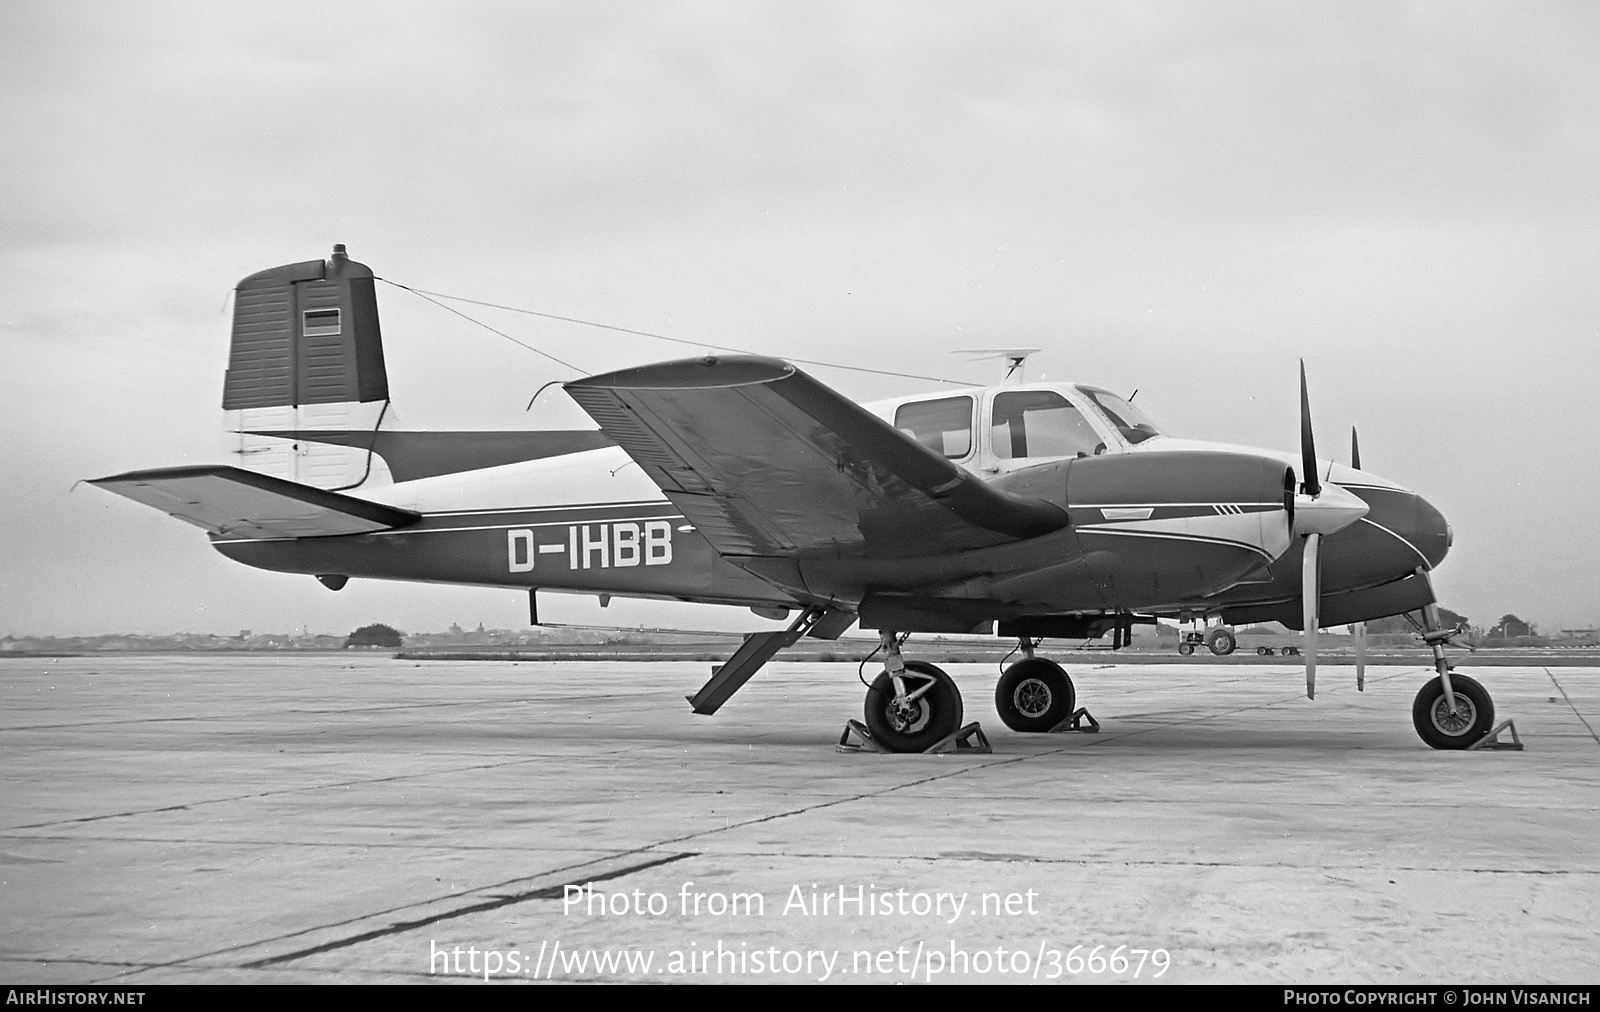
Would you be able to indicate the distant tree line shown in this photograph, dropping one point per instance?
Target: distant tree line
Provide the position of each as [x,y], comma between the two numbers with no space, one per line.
[377,635]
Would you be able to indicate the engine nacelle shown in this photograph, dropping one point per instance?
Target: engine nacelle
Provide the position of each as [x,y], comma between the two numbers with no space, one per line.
[1158,528]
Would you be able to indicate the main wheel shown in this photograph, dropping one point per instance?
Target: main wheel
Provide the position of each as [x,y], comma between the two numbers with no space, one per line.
[1034,695]
[1442,729]
[1221,641]
[931,712]
[1264,651]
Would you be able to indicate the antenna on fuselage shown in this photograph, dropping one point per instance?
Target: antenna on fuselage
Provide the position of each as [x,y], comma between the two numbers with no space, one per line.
[1015,359]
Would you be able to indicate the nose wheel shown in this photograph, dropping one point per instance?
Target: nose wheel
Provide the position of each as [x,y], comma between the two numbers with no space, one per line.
[1444,726]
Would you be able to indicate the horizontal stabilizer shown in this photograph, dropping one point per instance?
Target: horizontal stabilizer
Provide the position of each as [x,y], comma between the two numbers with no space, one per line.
[231,501]
[412,455]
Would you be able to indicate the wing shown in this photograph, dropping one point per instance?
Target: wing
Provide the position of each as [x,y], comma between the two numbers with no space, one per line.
[766,461]
[228,500]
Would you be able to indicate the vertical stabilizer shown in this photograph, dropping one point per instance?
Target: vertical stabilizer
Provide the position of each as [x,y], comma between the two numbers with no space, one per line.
[307,354]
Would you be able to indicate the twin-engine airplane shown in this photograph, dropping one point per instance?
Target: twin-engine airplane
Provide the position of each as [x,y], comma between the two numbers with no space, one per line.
[1044,509]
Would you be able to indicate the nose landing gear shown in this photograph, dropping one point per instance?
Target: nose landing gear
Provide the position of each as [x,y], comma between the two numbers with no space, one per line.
[1452,711]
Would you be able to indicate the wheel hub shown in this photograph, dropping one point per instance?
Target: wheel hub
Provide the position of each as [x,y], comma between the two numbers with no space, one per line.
[907,717]
[1032,697]
[1457,723]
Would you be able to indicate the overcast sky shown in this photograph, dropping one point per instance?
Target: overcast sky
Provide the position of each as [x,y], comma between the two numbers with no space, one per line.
[1184,198]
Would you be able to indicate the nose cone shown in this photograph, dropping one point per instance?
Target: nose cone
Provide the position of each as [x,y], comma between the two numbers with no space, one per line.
[1431,532]
[1405,531]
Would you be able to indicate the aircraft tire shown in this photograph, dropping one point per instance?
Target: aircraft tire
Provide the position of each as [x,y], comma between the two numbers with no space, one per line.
[1221,641]
[1438,728]
[1034,695]
[934,716]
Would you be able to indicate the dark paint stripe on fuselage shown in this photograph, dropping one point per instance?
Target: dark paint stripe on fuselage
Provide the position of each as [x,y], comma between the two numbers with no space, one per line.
[634,549]
[608,548]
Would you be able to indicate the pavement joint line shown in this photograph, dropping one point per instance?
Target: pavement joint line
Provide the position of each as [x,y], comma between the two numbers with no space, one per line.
[1574,706]
[255,717]
[1125,863]
[1108,736]
[586,697]
[362,845]
[1010,760]
[477,890]
[706,832]
[1003,762]
[646,848]
[976,767]
[263,794]
[547,893]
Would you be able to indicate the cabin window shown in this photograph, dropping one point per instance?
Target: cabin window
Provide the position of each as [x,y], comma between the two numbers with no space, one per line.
[1040,423]
[944,425]
[1134,424]
[321,323]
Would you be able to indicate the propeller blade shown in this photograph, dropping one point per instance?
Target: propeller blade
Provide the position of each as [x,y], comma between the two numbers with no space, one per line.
[1361,657]
[1355,449]
[1308,449]
[1310,599]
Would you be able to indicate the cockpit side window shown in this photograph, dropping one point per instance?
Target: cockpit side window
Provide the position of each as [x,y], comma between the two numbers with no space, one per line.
[1040,423]
[944,425]
[1134,424]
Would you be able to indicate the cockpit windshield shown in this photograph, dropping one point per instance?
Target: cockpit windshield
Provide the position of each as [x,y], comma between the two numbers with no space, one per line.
[1134,424]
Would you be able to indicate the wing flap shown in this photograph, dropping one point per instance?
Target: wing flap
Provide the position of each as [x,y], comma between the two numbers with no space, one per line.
[767,461]
[232,502]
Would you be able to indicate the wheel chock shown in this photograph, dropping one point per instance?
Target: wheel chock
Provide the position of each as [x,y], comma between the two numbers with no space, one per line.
[1081,721]
[1492,739]
[969,739]
[864,741]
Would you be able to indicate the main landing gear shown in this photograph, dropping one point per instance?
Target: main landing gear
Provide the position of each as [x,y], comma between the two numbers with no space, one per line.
[1034,694]
[913,705]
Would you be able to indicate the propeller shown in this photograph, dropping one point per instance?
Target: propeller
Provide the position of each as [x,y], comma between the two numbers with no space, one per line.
[1320,510]
[1358,631]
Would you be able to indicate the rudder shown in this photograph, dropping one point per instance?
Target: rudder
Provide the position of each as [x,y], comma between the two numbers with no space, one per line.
[306,354]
